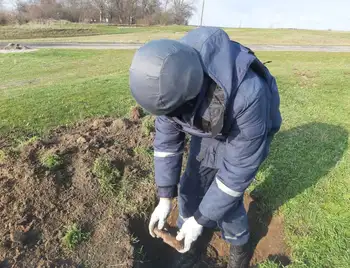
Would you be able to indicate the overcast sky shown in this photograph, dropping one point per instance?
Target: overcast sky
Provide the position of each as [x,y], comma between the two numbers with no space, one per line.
[305,14]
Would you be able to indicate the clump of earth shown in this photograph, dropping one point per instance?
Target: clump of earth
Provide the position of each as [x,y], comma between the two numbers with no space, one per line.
[12,46]
[16,48]
[97,176]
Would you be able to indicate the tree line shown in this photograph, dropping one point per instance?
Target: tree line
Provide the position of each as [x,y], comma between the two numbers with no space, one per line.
[147,12]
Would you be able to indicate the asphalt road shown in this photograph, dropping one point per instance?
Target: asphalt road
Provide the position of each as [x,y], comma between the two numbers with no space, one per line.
[137,45]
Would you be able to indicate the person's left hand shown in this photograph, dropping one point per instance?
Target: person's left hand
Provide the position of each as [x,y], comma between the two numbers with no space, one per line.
[190,232]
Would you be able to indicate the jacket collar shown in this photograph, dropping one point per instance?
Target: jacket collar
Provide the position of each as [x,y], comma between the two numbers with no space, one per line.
[226,63]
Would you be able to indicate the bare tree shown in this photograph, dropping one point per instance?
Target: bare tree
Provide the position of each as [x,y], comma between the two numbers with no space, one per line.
[21,8]
[119,9]
[181,10]
[114,11]
[109,9]
[149,7]
[100,5]
[77,10]
[166,3]
[131,7]
[149,12]
[3,14]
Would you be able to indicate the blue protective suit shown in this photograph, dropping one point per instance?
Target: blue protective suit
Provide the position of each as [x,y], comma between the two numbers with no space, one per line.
[232,122]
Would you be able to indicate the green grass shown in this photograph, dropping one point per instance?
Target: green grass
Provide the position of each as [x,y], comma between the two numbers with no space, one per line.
[59,87]
[74,236]
[72,32]
[306,177]
[270,264]
[108,176]
[144,152]
[51,161]
[2,156]
[57,30]
[121,187]
[148,125]
[27,141]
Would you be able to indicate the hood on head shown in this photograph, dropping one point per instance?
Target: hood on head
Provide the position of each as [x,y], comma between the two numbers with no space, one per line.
[226,62]
[165,74]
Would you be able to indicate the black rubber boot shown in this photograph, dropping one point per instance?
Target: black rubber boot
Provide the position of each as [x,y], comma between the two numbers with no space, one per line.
[187,260]
[240,256]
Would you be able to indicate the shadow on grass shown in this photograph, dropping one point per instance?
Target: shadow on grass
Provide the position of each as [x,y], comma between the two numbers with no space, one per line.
[299,157]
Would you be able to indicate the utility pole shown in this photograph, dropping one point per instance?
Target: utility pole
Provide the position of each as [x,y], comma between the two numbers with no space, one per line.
[202,12]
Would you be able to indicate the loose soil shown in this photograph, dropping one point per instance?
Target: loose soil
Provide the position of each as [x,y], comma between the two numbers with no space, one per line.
[37,204]
[267,238]
[11,48]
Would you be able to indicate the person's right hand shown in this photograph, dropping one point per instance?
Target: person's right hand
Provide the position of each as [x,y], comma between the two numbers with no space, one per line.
[160,214]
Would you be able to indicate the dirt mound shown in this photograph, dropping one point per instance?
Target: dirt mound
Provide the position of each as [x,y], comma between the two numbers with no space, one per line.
[81,197]
[15,48]
[49,185]
[12,46]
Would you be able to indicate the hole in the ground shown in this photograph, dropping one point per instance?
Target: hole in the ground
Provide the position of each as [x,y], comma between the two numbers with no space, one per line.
[5,264]
[148,251]
[152,252]
[31,238]
[281,260]
[120,165]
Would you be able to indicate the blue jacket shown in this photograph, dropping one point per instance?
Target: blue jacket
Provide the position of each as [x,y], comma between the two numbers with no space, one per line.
[241,119]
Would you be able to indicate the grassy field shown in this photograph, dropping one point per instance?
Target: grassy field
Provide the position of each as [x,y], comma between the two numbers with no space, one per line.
[306,177]
[103,33]
[59,87]
[69,30]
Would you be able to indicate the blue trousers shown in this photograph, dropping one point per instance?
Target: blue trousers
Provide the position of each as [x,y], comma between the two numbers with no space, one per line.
[203,162]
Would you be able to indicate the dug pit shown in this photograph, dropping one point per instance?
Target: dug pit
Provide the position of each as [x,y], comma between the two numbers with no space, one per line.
[98,175]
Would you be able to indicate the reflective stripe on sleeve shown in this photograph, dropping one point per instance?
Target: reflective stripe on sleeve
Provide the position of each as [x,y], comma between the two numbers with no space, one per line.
[237,236]
[165,154]
[227,190]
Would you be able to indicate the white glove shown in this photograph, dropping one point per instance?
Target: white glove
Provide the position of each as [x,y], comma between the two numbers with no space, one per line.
[190,231]
[159,215]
